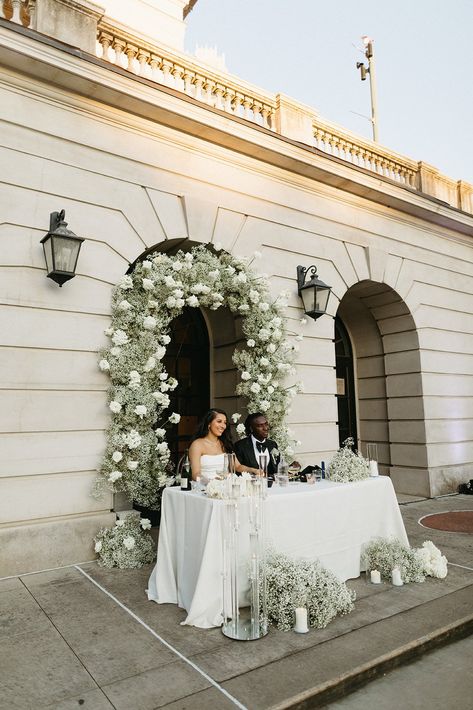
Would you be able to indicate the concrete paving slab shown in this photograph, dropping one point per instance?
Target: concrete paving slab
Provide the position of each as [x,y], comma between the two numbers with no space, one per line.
[9,583]
[20,614]
[206,699]
[90,700]
[39,670]
[155,688]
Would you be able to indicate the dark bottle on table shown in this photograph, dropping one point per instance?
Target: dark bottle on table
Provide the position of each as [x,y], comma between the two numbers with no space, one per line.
[322,466]
[186,473]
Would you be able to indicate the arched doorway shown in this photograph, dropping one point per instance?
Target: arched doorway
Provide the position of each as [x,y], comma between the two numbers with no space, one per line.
[188,360]
[346,399]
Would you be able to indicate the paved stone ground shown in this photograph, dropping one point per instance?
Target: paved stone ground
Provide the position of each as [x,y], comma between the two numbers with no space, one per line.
[68,643]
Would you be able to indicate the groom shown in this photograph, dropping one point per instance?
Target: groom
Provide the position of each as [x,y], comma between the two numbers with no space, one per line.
[256,443]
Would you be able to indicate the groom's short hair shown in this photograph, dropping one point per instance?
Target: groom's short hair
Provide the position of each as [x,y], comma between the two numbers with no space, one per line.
[250,419]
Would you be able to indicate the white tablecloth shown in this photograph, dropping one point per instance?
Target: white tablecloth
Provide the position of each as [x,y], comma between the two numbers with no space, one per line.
[328,521]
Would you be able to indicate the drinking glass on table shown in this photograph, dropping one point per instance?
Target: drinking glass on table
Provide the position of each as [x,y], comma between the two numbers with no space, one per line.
[263,464]
[318,475]
[293,470]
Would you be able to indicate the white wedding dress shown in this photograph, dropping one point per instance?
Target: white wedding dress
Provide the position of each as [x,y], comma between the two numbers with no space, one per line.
[210,466]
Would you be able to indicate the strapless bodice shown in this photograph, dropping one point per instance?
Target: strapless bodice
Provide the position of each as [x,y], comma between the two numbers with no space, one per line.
[210,466]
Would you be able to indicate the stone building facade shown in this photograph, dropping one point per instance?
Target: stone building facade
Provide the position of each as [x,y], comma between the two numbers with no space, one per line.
[144,146]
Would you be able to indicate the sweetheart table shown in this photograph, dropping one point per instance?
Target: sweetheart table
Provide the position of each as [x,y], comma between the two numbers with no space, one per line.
[326,521]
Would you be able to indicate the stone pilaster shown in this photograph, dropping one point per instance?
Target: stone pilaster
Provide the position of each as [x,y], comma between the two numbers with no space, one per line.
[71,21]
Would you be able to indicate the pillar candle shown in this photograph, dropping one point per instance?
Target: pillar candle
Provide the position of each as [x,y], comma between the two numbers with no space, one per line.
[301,620]
[374,468]
[375,576]
[396,577]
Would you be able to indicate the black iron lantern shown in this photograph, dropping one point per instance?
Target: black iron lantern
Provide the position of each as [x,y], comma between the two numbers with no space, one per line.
[314,293]
[61,249]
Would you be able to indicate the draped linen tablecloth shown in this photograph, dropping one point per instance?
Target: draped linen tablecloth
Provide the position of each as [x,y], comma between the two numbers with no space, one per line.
[326,521]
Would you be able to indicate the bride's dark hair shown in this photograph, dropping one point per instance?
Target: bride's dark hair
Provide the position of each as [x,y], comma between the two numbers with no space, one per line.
[203,429]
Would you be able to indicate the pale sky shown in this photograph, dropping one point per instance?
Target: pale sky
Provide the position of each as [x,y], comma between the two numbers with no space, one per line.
[305,48]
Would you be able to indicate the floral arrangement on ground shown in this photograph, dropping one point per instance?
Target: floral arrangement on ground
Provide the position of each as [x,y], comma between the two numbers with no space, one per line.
[137,456]
[292,583]
[415,564]
[347,465]
[127,545]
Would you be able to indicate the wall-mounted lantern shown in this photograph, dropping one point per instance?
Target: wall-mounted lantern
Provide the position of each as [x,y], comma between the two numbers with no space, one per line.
[314,293]
[61,249]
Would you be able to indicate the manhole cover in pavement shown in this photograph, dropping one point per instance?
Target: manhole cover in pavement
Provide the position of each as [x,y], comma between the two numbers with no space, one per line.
[456,521]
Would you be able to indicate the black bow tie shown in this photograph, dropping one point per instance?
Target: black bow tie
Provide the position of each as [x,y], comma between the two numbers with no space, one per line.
[261,446]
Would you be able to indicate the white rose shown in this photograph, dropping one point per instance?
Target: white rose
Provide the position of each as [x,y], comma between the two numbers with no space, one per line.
[171,302]
[98,546]
[163,376]
[120,337]
[236,417]
[114,476]
[124,306]
[108,331]
[254,296]
[243,308]
[169,281]
[117,456]
[240,429]
[188,256]
[149,323]
[160,352]
[145,523]
[164,387]
[264,405]
[140,410]
[115,350]
[132,465]
[271,348]
[172,382]
[160,433]
[214,275]
[177,265]
[241,278]
[150,364]
[126,283]
[263,306]
[162,448]
[148,285]
[165,339]
[192,301]
[255,387]
[129,542]
[230,270]
[251,343]
[178,293]
[147,265]
[175,418]
[115,406]
[264,362]
[270,389]
[180,303]
[104,365]
[245,375]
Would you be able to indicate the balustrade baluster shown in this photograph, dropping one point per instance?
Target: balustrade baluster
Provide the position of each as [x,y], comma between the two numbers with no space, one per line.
[209,86]
[228,97]
[219,91]
[131,51]
[105,41]
[237,103]
[166,68]
[177,74]
[156,73]
[247,101]
[257,106]
[16,7]
[265,112]
[188,77]
[118,47]
[143,58]
[199,83]
[32,14]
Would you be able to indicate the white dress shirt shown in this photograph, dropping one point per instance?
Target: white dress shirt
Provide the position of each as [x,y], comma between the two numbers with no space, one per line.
[264,453]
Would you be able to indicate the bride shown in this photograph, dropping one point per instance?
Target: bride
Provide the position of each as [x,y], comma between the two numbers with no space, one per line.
[210,443]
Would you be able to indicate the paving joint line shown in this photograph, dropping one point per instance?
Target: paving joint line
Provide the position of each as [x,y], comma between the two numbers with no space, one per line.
[193,665]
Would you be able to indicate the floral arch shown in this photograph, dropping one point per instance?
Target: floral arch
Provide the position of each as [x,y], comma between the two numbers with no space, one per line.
[144,303]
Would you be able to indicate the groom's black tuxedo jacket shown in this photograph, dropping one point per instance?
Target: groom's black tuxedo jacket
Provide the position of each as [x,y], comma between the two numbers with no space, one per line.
[245,454]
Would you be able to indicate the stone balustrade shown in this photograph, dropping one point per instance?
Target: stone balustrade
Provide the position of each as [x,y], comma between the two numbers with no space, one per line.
[365,154]
[182,73]
[22,12]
